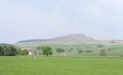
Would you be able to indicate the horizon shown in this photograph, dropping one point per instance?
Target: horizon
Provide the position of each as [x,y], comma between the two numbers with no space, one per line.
[50,38]
[27,19]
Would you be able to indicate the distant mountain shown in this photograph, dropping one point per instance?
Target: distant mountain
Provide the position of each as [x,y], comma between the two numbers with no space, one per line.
[34,40]
[67,38]
[74,37]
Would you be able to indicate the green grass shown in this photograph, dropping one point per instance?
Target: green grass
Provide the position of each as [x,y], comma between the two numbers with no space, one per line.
[20,65]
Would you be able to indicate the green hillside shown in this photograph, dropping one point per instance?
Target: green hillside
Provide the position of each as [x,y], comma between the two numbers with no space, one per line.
[78,45]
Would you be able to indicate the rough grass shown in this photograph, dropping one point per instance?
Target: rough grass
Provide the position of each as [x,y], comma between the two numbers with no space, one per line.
[20,65]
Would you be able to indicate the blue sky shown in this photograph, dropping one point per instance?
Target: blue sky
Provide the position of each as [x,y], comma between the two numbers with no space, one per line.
[35,19]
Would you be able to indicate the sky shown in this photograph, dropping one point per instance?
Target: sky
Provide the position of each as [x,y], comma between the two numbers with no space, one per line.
[38,19]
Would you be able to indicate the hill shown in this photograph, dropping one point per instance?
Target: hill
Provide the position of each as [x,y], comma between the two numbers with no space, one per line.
[75,43]
[33,40]
[67,38]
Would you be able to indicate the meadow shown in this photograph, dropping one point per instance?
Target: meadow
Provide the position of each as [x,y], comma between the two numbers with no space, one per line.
[52,65]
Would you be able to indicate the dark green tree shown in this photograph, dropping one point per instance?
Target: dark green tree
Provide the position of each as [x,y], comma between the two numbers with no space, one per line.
[1,51]
[8,50]
[13,51]
[47,50]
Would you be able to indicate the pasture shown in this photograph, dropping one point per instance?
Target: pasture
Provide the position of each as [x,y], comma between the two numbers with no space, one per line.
[43,65]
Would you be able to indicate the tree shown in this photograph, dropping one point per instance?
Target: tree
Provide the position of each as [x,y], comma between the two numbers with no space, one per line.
[1,51]
[13,51]
[109,49]
[80,51]
[102,52]
[60,50]
[6,50]
[47,50]
[88,51]
[24,52]
[100,46]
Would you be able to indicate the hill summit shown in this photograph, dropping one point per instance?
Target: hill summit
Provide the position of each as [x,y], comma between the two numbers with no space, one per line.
[74,37]
[66,38]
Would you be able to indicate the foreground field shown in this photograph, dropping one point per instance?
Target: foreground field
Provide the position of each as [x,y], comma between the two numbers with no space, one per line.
[60,66]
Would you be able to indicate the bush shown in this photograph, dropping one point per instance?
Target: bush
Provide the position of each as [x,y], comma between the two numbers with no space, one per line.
[88,51]
[100,46]
[24,52]
[60,50]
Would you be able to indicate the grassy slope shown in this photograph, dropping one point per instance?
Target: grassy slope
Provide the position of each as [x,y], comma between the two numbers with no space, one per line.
[60,66]
[116,48]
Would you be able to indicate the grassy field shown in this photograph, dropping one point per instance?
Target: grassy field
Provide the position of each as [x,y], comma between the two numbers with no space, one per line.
[25,65]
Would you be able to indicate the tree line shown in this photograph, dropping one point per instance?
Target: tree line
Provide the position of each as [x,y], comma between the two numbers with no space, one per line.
[10,50]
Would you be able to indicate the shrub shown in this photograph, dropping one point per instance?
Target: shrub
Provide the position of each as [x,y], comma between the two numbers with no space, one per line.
[88,51]
[60,50]
[24,52]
